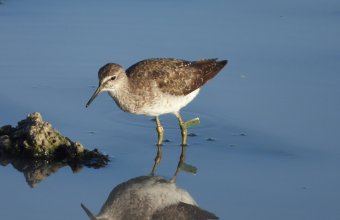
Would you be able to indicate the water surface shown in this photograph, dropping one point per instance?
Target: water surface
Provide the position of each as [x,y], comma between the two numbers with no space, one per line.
[268,144]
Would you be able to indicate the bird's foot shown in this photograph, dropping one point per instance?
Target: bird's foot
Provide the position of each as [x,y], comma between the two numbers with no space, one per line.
[184,128]
[191,123]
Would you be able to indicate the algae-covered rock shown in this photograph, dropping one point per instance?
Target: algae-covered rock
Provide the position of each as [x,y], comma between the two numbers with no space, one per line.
[36,139]
[33,137]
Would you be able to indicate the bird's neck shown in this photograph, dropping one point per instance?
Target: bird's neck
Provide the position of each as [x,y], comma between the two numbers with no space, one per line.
[124,95]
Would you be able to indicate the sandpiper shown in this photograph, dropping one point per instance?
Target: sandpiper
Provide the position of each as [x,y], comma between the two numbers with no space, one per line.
[157,86]
[149,198]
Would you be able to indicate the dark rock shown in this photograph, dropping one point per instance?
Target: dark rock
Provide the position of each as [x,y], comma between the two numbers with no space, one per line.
[192,135]
[210,139]
[37,141]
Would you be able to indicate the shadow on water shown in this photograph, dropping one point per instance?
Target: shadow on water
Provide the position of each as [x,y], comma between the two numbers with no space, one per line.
[152,197]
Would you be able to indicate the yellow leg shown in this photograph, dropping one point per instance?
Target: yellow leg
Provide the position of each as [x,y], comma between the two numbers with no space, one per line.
[180,163]
[160,131]
[184,130]
[158,159]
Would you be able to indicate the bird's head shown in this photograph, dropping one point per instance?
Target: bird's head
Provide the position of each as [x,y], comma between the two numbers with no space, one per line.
[110,77]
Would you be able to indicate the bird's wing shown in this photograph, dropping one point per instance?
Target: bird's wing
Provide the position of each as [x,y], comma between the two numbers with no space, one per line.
[174,76]
[183,211]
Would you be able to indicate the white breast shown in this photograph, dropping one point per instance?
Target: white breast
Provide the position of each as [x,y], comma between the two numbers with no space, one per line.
[166,103]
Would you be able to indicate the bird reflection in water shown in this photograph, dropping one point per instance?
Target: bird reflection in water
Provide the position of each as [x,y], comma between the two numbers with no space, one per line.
[152,197]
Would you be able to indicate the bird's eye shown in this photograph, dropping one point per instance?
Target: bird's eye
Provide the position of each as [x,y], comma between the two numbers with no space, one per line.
[113,78]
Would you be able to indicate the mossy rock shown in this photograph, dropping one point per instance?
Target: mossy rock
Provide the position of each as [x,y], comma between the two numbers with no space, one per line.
[36,139]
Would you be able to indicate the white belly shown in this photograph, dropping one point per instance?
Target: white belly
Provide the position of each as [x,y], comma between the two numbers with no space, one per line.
[167,104]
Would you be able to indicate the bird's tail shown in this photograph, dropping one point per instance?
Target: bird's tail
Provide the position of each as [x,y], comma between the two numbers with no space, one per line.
[88,212]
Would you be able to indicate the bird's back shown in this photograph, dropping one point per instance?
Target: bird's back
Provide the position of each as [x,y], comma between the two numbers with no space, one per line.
[175,76]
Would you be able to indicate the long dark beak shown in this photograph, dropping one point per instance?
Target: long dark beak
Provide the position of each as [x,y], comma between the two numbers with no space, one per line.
[95,94]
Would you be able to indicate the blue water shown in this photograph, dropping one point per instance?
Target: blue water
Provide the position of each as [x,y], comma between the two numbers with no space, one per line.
[272,114]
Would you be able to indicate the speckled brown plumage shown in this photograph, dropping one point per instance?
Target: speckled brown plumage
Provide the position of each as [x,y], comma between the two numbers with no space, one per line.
[175,76]
[158,86]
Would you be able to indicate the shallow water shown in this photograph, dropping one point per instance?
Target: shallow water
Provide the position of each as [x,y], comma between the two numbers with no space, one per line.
[267,146]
